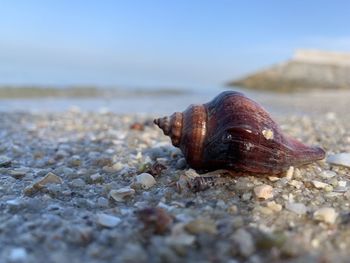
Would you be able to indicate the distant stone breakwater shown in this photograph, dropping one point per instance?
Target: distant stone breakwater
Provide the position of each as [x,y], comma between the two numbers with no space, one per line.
[307,70]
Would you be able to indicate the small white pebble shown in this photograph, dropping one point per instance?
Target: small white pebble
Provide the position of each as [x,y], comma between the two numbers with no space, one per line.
[264,191]
[328,174]
[244,241]
[273,178]
[96,177]
[108,220]
[342,183]
[274,206]
[179,236]
[118,166]
[296,184]
[315,243]
[331,115]
[290,172]
[319,185]
[146,180]
[246,196]
[121,194]
[290,198]
[17,254]
[298,208]
[297,173]
[138,156]
[328,188]
[78,183]
[326,214]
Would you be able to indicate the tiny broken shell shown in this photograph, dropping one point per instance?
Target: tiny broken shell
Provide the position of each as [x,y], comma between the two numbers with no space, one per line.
[155,219]
[121,194]
[201,183]
[49,178]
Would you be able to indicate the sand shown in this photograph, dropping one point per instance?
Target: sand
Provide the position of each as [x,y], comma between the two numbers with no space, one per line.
[71,191]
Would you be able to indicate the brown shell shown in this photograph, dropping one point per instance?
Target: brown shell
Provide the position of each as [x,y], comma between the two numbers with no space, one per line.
[234,132]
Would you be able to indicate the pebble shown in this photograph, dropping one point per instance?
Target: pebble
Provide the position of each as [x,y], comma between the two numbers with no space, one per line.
[233,209]
[201,226]
[290,172]
[296,184]
[273,178]
[14,202]
[274,206]
[179,237]
[342,183]
[18,254]
[298,208]
[102,202]
[146,180]
[328,188]
[340,189]
[245,242]
[297,174]
[19,173]
[77,183]
[121,194]
[181,164]
[326,214]
[175,152]
[5,161]
[263,191]
[117,167]
[328,174]
[133,253]
[342,159]
[319,185]
[74,161]
[247,196]
[107,220]
[97,177]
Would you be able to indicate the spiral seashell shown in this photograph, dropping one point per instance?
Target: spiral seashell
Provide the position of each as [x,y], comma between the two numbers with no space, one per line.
[234,132]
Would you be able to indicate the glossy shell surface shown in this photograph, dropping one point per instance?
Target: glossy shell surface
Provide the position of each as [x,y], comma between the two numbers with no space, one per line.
[234,132]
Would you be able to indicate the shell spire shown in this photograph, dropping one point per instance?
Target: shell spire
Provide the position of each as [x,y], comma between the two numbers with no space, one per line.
[163,124]
[171,126]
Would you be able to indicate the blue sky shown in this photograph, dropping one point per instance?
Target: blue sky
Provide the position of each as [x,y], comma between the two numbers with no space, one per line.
[159,43]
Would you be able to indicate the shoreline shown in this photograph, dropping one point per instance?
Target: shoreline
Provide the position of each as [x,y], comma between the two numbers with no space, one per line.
[309,104]
[36,92]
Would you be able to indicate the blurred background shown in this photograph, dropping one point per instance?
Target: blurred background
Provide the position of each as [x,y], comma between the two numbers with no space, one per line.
[159,56]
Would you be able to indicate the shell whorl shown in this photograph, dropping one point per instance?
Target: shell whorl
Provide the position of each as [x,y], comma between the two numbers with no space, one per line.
[172,126]
[187,131]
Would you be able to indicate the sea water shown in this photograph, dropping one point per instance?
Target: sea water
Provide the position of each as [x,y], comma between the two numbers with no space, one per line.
[147,104]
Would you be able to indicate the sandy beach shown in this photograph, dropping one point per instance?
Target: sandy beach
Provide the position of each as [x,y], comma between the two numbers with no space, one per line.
[90,187]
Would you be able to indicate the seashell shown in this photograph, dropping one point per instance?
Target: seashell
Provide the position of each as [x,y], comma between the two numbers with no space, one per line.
[201,183]
[342,159]
[234,132]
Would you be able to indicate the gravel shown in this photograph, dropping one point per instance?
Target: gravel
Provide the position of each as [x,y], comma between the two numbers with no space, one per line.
[84,187]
